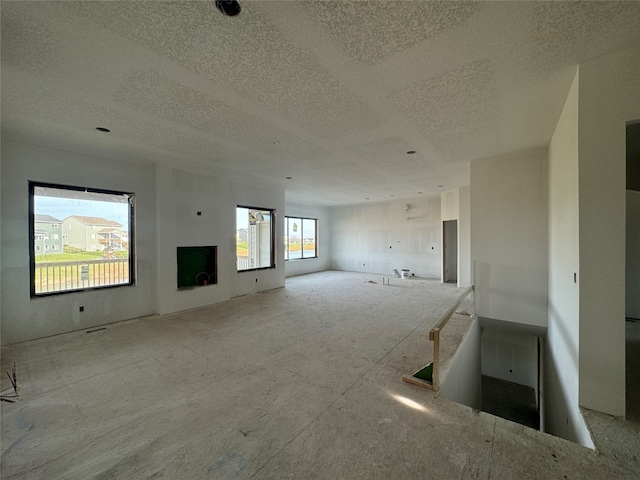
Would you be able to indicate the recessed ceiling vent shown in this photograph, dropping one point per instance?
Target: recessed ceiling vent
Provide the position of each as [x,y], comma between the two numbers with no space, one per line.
[229,8]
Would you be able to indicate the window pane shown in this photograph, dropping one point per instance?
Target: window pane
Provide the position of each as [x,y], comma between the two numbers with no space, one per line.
[300,238]
[254,238]
[295,227]
[308,238]
[286,238]
[95,253]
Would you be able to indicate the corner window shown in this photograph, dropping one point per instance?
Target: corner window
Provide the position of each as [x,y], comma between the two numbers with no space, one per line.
[96,253]
[255,238]
[300,238]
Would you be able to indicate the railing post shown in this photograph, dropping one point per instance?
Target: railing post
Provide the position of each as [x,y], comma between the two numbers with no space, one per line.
[436,358]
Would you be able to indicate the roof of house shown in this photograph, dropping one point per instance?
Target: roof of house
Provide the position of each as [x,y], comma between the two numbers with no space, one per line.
[95,221]
[46,218]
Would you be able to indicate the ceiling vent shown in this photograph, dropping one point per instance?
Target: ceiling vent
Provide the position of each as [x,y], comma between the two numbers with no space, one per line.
[228,8]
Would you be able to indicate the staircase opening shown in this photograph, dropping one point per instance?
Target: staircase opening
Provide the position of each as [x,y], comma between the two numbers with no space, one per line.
[511,375]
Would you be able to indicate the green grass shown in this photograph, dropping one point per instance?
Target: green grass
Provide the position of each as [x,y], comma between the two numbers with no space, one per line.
[242,249]
[74,257]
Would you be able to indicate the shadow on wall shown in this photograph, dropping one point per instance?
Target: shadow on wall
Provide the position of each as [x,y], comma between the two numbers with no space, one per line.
[561,406]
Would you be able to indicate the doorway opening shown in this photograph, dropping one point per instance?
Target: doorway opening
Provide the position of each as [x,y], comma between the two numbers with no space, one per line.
[450,251]
[632,274]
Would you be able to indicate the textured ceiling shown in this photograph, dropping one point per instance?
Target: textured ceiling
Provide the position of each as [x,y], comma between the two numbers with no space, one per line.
[332,94]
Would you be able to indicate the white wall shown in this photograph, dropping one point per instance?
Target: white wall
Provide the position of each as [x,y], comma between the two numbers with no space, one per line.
[380,237]
[323,240]
[463,381]
[633,255]
[450,204]
[510,357]
[509,237]
[562,413]
[609,97]
[24,318]
[180,195]
[464,238]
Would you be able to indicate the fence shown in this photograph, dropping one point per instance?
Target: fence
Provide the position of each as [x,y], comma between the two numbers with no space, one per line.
[60,276]
[243,263]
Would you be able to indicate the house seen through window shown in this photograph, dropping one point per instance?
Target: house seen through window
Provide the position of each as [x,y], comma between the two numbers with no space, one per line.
[97,249]
[300,238]
[254,238]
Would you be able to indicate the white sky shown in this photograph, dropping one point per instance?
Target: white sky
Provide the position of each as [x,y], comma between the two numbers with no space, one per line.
[62,208]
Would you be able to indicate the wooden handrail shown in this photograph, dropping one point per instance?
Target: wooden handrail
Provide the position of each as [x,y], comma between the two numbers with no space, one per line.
[434,336]
[449,313]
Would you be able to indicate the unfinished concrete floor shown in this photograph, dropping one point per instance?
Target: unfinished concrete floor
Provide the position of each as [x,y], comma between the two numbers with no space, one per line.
[302,382]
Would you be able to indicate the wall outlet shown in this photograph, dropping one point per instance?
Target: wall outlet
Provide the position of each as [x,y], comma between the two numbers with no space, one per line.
[81,309]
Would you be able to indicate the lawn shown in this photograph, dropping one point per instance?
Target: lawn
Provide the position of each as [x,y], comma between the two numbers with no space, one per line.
[242,249]
[74,257]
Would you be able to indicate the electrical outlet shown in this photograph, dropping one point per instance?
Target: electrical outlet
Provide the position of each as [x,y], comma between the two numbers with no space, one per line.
[81,308]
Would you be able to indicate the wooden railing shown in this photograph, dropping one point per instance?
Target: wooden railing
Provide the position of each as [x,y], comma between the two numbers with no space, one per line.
[429,376]
[60,276]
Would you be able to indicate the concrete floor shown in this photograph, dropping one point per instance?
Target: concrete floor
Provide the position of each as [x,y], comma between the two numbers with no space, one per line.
[301,382]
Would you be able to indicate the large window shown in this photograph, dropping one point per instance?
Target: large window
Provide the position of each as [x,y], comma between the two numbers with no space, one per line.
[254,238]
[300,239]
[96,250]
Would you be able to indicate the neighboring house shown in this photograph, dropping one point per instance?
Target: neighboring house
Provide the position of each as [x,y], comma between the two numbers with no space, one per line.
[47,232]
[242,235]
[113,238]
[88,233]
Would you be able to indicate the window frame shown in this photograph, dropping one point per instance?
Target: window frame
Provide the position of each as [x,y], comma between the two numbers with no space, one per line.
[286,229]
[272,238]
[32,243]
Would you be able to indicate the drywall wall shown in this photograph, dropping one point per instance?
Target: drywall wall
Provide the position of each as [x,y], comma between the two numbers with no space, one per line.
[510,357]
[247,282]
[463,381]
[464,238]
[180,196]
[609,97]
[632,309]
[450,205]
[323,240]
[25,318]
[509,237]
[561,402]
[380,237]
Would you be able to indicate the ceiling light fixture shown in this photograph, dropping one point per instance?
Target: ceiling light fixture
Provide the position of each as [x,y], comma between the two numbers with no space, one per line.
[102,129]
[229,8]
